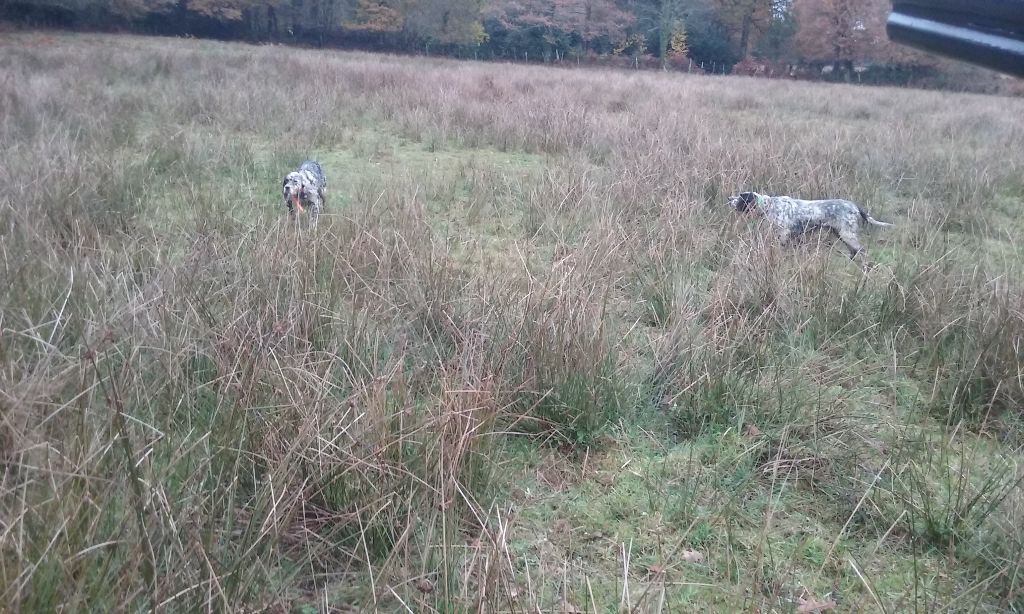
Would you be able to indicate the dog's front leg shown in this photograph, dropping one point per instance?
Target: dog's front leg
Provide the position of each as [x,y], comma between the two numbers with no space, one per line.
[314,216]
[789,236]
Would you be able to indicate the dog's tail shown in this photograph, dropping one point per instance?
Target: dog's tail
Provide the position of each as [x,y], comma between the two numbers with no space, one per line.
[870,220]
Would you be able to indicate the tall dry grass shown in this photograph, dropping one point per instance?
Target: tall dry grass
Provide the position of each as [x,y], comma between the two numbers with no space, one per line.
[204,409]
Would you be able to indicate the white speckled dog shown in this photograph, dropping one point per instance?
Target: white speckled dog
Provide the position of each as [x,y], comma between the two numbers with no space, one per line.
[794,217]
[305,188]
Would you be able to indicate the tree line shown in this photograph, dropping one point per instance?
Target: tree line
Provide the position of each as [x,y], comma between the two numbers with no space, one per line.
[839,37]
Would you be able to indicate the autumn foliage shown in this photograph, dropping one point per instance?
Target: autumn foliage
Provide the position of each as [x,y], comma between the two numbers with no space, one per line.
[711,34]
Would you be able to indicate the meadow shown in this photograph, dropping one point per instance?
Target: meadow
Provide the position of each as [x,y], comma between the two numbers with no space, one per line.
[529,362]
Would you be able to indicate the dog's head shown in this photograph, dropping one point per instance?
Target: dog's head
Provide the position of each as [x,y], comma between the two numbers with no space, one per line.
[744,202]
[294,188]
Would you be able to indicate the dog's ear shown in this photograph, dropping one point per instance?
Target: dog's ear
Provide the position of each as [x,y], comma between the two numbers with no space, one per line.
[748,198]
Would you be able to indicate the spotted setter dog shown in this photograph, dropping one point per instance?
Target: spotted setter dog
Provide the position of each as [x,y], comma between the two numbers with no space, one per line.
[794,217]
[305,188]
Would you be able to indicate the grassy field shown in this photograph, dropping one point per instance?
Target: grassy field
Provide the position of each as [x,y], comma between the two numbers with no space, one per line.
[530,361]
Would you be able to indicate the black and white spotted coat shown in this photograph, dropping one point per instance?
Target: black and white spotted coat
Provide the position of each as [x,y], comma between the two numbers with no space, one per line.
[793,217]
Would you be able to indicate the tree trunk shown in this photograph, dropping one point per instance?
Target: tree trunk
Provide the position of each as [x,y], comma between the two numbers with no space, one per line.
[745,36]
[664,30]
[181,12]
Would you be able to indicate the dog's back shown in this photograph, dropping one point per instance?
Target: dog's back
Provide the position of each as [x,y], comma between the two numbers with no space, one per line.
[317,174]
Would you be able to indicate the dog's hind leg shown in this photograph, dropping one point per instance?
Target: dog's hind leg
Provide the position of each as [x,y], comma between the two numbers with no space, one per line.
[853,245]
